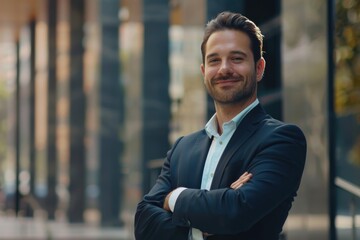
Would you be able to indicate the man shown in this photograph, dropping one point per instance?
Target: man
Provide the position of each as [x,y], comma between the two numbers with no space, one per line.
[237,178]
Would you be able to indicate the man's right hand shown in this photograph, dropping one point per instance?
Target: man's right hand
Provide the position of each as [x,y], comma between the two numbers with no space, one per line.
[166,202]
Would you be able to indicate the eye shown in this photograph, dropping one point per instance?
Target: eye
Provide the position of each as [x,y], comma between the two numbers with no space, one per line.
[237,59]
[213,60]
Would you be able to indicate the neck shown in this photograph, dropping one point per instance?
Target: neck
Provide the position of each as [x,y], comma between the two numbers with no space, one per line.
[226,112]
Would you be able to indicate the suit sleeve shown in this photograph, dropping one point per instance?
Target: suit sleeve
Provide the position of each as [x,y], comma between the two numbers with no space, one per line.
[277,168]
[152,222]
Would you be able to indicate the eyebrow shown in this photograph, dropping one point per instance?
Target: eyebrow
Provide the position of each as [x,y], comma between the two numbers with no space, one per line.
[239,53]
[232,52]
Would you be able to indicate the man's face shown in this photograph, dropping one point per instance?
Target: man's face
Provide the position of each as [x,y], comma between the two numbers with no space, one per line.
[230,73]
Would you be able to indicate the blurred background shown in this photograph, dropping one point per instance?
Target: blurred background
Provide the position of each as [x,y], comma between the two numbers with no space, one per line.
[94,92]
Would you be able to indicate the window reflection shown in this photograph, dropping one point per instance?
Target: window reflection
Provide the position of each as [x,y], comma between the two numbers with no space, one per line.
[347,110]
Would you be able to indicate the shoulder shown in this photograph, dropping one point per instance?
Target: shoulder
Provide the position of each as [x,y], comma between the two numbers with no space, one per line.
[287,131]
[192,137]
[259,115]
[197,139]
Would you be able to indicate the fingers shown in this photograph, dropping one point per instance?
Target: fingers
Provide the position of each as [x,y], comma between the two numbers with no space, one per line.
[241,180]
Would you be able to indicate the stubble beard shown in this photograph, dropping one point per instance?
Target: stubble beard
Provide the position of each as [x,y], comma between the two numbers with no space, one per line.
[242,93]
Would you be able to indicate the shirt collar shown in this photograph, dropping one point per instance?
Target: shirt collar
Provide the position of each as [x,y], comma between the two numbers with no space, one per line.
[211,125]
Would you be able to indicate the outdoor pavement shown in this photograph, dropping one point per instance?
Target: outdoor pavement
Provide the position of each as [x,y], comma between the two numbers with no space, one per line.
[22,228]
[12,228]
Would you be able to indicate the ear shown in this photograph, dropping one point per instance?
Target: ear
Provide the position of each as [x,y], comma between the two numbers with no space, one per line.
[260,69]
[202,68]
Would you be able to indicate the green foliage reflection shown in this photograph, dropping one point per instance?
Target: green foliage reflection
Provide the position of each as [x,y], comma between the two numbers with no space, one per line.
[347,52]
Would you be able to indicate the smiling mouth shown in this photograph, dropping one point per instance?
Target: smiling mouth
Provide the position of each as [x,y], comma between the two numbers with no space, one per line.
[227,81]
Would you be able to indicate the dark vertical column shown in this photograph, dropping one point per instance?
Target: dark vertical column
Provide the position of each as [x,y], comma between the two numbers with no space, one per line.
[17,129]
[32,170]
[156,100]
[214,7]
[111,115]
[331,19]
[77,163]
[51,198]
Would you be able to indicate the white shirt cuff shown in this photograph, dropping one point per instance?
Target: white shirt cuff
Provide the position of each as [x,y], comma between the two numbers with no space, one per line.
[174,196]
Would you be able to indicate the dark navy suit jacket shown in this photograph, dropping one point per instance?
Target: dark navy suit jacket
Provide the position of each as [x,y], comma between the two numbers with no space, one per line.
[274,152]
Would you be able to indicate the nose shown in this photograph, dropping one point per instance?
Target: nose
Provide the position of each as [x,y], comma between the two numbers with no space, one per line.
[225,67]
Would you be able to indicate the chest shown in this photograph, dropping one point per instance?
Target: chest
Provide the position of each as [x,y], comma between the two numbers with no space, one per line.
[223,166]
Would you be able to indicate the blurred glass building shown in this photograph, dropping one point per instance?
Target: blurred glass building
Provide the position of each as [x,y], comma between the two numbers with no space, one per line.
[94,92]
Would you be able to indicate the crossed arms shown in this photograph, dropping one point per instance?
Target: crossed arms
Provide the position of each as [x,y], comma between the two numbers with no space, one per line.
[245,177]
[170,231]
[276,168]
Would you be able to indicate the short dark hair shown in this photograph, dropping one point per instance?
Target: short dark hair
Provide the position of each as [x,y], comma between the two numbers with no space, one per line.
[234,21]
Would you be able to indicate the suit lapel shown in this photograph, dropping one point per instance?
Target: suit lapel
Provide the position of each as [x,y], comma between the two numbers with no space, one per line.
[198,158]
[245,129]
